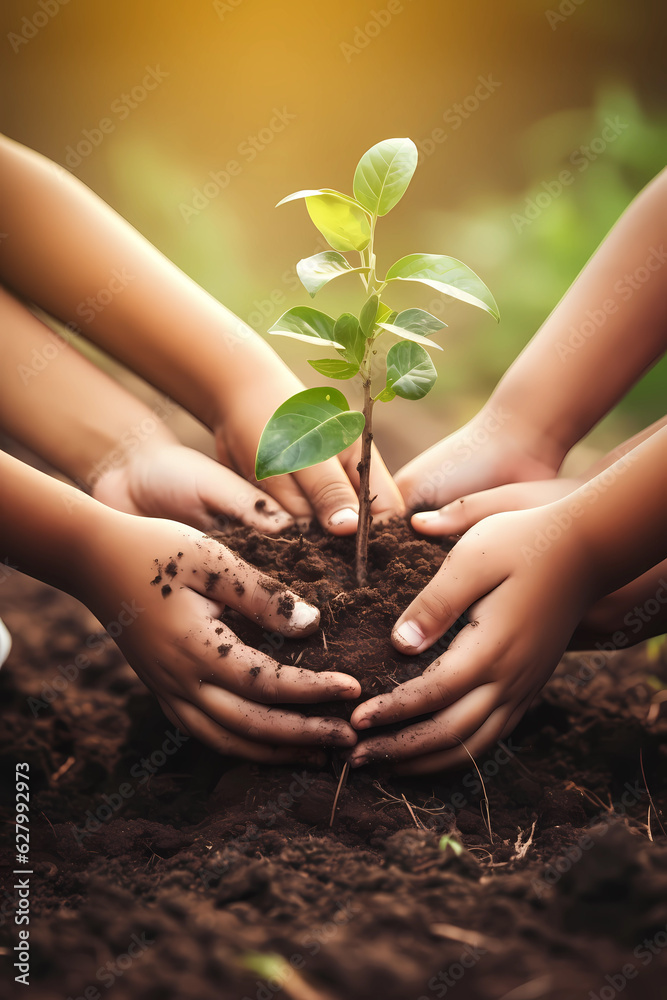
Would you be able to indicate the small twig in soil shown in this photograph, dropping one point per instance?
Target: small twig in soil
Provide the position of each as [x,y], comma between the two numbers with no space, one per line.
[485,800]
[418,822]
[298,658]
[650,797]
[520,850]
[341,785]
[49,822]
[466,936]
[63,769]
[324,642]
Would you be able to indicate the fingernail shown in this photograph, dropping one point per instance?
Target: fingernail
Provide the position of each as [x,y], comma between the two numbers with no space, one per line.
[304,615]
[409,634]
[357,761]
[345,518]
[429,515]
[363,724]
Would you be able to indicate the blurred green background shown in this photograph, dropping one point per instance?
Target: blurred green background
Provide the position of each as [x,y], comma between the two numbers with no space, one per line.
[534,84]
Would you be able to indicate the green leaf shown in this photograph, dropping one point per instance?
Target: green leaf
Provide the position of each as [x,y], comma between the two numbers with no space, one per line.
[312,426]
[316,271]
[416,338]
[385,314]
[385,396]
[309,193]
[368,314]
[410,371]
[383,174]
[446,274]
[349,334]
[419,321]
[335,368]
[307,324]
[343,224]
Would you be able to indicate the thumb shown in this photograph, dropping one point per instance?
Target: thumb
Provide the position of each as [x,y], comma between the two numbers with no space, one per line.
[332,496]
[461,580]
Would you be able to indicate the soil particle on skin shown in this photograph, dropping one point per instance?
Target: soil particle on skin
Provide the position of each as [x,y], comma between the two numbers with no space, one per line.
[219,630]
[156,580]
[211,581]
[171,569]
[286,606]
[211,859]
[239,589]
[166,590]
[260,505]
[254,671]
[223,648]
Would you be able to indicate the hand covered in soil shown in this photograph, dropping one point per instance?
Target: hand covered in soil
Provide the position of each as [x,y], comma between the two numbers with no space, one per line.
[166,479]
[173,583]
[523,605]
[487,452]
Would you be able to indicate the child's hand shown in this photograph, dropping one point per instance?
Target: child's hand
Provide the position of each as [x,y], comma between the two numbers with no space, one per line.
[523,604]
[491,450]
[166,479]
[456,517]
[327,491]
[168,584]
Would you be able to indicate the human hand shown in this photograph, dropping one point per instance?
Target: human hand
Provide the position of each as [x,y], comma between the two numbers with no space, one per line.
[456,517]
[165,479]
[490,450]
[168,584]
[523,606]
[328,490]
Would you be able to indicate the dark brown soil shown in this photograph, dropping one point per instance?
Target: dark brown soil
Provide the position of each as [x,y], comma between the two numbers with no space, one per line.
[162,873]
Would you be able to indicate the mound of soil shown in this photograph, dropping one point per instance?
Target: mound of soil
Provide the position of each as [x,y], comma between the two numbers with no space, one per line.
[161,870]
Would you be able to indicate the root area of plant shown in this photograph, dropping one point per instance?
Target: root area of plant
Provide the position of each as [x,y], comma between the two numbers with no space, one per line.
[160,869]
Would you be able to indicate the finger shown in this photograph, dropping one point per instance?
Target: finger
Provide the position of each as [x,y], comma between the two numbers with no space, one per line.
[228,578]
[467,664]
[496,728]
[204,729]
[387,501]
[464,577]
[287,492]
[225,495]
[446,729]
[332,496]
[224,660]
[264,724]
[457,517]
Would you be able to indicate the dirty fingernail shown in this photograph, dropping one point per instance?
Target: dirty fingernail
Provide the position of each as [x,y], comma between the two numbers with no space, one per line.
[304,615]
[409,634]
[345,518]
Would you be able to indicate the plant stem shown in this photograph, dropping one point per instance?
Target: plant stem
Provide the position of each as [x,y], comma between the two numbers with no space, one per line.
[364,469]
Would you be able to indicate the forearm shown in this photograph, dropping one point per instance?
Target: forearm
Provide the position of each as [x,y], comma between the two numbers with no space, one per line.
[63,407]
[608,329]
[622,449]
[74,256]
[619,516]
[46,527]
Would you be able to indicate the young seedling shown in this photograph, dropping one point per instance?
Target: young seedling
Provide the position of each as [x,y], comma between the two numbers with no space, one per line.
[318,423]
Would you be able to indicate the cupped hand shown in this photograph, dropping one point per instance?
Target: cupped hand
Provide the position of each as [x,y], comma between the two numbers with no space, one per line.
[489,451]
[166,479]
[166,586]
[524,599]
